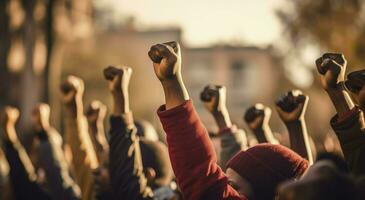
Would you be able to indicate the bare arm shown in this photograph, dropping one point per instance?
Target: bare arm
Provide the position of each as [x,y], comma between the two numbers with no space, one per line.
[84,157]
[257,118]
[291,109]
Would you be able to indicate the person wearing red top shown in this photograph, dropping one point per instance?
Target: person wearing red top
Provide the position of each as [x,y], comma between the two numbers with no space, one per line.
[251,174]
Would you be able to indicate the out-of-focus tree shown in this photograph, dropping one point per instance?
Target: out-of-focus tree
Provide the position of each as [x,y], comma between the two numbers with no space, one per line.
[29,33]
[329,25]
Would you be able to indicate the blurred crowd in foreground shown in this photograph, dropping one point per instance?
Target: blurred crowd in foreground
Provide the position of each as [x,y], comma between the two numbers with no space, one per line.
[130,162]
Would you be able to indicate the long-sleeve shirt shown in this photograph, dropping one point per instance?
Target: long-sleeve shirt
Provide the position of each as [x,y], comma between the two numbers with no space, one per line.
[22,174]
[84,160]
[51,158]
[233,140]
[192,155]
[350,131]
[125,161]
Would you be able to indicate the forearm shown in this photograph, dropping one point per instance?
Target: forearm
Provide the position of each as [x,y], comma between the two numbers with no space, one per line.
[175,92]
[83,154]
[222,119]
[265,135]
[121,102]
[299,139]
[341,100]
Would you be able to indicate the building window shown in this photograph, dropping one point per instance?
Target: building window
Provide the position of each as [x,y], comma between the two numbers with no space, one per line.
[237,71]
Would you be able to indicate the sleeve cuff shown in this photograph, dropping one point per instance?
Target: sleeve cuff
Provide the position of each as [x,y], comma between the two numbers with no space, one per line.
[346,120]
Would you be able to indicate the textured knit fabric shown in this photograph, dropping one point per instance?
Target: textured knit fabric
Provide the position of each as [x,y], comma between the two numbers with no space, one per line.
[192,155]
[22,174]
[53,161]
[126,170]
[265,166]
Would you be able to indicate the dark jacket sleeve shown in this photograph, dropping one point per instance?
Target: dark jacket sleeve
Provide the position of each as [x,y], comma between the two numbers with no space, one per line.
[22,175]
[233,140]
[192,155]
[351,134]
[126,169]
[52,160]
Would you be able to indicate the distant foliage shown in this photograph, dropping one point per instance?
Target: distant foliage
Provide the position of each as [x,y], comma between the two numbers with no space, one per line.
[333,25]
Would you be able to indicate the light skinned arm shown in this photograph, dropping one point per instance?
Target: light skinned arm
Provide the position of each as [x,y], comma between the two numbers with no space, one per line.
[84,159]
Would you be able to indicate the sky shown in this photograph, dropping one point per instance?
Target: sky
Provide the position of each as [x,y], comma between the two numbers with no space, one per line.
[205,22]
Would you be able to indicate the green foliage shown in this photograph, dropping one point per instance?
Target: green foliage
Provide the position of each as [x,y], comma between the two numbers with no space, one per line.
[332,25]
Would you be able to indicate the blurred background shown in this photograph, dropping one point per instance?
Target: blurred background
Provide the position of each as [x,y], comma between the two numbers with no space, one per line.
[258,49]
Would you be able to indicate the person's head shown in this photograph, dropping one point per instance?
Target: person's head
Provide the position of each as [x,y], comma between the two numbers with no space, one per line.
[146,130]
[258,171]
[156,163]
[323,180]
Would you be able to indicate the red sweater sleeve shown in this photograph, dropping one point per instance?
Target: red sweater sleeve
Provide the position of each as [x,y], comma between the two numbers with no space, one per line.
[192,155]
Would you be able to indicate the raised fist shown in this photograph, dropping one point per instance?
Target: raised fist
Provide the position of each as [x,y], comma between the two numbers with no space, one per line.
[41,115]
[256,116]
[332,68]
[214,98]
[356,84]
[72,90]
[9,117]
[118,78]
[96,111]
[292,106]
[166,60]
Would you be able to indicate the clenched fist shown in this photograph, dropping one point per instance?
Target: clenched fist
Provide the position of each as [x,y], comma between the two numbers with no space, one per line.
[214,98]
[72,90]
[332,68]
[9,117]
[96,112]
[257,116]
[166,60]
[292,106]
[118,78]
[41,115]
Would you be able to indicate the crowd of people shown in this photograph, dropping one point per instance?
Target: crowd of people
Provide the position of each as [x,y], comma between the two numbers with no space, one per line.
[131,162]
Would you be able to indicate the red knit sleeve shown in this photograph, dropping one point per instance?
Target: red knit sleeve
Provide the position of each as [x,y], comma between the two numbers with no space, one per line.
[192,155]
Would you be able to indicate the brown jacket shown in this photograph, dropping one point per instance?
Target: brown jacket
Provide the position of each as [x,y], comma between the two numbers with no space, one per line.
[350,130]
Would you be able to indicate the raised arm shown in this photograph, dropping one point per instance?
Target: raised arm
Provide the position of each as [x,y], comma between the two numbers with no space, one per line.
[349,122]
[22,174]
[257,118]
[84,158]
[126,169]
[191,151]
[291,109]
[95,114]
[51,156]
[233,139]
